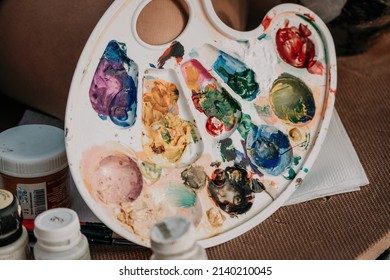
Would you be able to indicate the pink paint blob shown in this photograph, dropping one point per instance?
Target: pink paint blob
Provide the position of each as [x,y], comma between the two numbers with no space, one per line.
[116,180]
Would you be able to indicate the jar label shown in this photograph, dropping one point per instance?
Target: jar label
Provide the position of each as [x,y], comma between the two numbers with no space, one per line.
[32,199]
[37,195]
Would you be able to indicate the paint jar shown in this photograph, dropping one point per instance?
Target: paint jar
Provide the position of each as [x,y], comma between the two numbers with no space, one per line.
[59,237]
[34,166]
[13,235]
[174,239]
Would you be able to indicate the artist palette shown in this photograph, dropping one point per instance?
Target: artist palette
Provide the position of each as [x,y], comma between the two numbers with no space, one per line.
[219,126]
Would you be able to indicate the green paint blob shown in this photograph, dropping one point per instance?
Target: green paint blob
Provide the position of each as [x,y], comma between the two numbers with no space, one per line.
[291,100]
[262,36]
[291,174]
[305,170]
[243,83]
[296,160]
[245,125]
[263,111]
[221,105]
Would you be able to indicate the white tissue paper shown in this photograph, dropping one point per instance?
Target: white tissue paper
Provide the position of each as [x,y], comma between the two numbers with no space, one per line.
[336,170]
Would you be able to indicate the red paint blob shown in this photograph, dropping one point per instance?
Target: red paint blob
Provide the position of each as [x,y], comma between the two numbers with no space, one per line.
[195,100]
[297,49]
[266,22]
[214,126]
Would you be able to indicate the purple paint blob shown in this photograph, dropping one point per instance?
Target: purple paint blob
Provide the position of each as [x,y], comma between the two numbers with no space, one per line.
[113,91]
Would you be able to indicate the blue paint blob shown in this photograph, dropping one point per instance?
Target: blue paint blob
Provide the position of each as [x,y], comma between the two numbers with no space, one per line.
[113,90]
[269,149]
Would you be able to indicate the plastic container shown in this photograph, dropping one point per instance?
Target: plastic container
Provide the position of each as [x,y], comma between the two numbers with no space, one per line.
[13,235]
[174,239]
[59,237]
[33,166]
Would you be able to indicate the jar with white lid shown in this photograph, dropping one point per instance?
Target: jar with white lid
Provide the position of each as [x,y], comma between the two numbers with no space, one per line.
[59,237]
[34,166]
[13,235]
[174,238]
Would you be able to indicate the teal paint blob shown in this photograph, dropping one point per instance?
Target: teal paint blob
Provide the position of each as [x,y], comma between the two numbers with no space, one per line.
[291,174]
[180,196]
[245,125]
[296,160]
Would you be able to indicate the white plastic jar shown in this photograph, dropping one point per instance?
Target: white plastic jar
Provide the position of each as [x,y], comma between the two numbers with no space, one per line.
[59,237]
[174,238]
[13,235]
[34,166]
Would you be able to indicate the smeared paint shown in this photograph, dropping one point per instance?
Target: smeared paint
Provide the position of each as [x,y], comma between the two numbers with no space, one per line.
[140,216]
[155,203]
[269,149]
[195,177]
[264,110]
[291,174]
[266,22]
[297,49]
[309,17]
[295,134]
[196,76]
[257,186]
[167,134]
[258,54]
[296,160]
[208,97]
[227,150]
[150,171]
[237,76]
[214,126]
[215,217]
[220,105]
[245,125]
[113,90]
[262,36]
[231,189]
[117,180]
[175,50]
[229,153]
[180,196]
[292,101]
